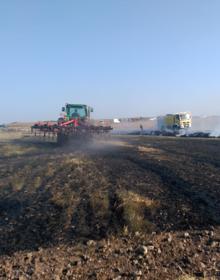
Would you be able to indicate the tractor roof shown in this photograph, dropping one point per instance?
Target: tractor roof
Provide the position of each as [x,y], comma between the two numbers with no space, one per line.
[80,105]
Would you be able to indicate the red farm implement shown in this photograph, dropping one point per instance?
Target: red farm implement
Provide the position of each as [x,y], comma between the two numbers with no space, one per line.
[74,124]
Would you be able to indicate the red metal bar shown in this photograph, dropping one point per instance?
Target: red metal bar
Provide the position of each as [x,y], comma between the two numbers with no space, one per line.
[74,122]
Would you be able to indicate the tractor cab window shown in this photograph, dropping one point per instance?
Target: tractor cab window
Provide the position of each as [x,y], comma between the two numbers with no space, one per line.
[77,112]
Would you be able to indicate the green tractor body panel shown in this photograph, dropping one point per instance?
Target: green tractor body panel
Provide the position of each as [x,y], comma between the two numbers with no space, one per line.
[77,111]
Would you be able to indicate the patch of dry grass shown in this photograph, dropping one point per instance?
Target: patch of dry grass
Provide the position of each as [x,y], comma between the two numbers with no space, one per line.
[135,211]
[17,182]
[149,150]
[6,135]
[50,170]
[23,178]
[189,277]
[154,153]
[9,150]
[100,205]
[186,277]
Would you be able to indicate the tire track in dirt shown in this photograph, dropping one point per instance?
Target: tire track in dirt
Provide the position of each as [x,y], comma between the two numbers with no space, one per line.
[125,178]
[205,212]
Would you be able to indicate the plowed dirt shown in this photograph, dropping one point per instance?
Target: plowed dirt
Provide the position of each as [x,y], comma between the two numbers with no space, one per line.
[124,208]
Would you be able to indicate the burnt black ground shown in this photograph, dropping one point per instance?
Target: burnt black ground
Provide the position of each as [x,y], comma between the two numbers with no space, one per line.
[122,193]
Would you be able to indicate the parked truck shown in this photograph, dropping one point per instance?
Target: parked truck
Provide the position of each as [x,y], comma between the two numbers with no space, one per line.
[174,122]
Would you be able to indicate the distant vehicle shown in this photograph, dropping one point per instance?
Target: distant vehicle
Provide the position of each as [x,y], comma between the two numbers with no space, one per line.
[2,126]
[116,121]
[174,122]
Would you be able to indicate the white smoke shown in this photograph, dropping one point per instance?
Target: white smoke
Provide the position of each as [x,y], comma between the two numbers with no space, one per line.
[216,132]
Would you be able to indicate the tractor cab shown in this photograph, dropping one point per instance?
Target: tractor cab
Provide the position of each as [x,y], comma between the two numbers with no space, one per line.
[77,111]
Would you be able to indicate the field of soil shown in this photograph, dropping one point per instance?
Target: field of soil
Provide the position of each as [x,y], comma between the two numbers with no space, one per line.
[123,208]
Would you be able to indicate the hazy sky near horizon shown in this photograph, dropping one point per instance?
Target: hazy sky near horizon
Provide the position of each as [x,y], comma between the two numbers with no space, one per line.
[123,57]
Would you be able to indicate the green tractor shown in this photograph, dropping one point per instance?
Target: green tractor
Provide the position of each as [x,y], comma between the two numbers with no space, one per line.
[75,123]
[76,112]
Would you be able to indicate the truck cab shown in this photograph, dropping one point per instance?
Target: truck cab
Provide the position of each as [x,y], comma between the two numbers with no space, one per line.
[174,122]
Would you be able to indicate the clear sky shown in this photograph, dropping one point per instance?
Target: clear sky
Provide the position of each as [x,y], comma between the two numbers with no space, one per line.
[123,57]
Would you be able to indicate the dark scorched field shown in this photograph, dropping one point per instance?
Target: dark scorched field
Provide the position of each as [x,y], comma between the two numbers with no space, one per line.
[125,208]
